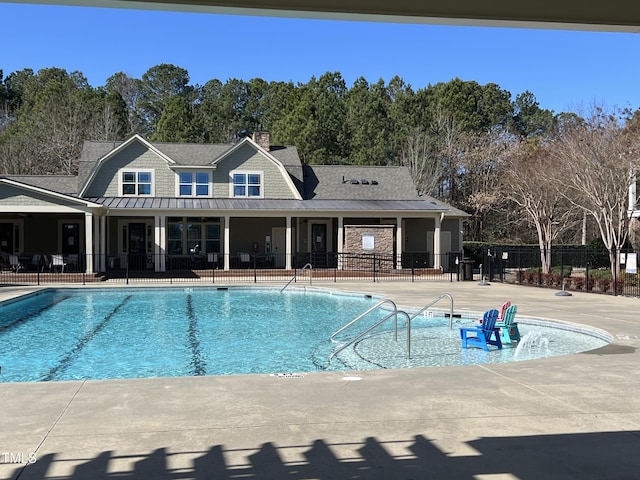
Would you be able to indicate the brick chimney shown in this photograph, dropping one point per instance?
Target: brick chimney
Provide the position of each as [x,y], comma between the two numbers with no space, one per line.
[262,139]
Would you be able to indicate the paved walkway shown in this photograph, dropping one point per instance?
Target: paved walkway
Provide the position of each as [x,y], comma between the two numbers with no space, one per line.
[573,417]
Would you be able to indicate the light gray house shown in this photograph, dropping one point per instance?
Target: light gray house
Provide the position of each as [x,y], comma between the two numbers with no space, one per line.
[152,206]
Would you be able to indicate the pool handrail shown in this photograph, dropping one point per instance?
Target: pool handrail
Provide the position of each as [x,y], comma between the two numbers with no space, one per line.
[364,314]
[295,275]
[395,314]
[432,303]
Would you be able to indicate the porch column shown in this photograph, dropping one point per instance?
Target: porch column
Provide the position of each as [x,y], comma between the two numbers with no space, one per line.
[288,244]
[436,243]
[88,241]
[227,251]
[399,243]
[102,242]
[340,242]
[159,237]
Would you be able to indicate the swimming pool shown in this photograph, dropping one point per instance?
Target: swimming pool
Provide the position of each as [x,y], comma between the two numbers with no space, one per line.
[71,334]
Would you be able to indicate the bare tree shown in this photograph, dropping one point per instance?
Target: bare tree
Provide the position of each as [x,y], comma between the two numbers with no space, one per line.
[424,164]
[480,162]
[599,160]
[529,180]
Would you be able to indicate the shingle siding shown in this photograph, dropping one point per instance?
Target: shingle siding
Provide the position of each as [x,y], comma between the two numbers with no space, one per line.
[136,156]
[247,158]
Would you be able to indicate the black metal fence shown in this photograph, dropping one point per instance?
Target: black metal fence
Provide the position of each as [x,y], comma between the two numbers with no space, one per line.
[41,269]
[578,268]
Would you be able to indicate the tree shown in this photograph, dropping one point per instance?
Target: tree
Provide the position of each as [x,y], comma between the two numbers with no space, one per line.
[529,119]
[56,112]
[315,120]
[529,179]
[176,124]
[368,123]
[420,157]
[128,89]
[599,156]
[478,108]
[158,85]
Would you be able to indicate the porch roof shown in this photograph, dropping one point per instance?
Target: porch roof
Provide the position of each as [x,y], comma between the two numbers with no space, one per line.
[275,205]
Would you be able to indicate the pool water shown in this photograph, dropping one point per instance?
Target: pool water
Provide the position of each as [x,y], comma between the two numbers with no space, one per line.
[72,334]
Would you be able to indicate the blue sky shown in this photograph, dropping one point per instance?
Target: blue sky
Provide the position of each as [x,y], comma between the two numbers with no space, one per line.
[565,70]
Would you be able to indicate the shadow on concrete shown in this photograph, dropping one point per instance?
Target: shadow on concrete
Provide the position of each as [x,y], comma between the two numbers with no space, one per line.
[610,455]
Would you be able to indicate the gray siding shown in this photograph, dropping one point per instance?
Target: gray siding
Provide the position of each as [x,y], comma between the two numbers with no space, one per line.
[247,158]
[135,156]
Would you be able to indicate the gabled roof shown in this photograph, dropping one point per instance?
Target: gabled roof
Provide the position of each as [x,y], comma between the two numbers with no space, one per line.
[268,155]
[115,151]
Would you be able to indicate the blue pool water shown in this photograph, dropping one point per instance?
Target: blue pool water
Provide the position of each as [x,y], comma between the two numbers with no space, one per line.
[71,334]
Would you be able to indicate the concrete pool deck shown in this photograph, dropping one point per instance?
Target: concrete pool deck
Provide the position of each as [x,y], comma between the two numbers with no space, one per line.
[571,417]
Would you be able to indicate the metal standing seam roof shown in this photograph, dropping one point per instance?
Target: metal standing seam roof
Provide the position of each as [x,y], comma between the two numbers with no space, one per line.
[131,203]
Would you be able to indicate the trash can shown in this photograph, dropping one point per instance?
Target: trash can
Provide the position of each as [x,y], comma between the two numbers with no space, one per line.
[467,269]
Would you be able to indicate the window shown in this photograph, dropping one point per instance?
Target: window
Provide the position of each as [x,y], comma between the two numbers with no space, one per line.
[246,184]
[193,184]
[185,233]
[136,182]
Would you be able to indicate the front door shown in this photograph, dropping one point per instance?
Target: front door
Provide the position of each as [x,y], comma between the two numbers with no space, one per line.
[6,238]
[137,246]
[279,246]
[319,245]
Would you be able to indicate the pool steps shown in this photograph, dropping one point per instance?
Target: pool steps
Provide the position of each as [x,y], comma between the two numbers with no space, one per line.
[394,313]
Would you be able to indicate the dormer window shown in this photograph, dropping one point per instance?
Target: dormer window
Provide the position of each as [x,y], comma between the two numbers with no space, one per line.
[246,184]
[136,182]
[194,184]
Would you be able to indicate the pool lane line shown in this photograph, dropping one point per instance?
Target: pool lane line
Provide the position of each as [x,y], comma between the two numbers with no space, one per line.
[20,320]
[197,362]
[75,351]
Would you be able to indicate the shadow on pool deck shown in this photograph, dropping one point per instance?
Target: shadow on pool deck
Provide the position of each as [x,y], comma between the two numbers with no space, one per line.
[563,417]
[522,457]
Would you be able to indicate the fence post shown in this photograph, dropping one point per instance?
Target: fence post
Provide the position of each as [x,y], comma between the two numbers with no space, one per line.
[373,259]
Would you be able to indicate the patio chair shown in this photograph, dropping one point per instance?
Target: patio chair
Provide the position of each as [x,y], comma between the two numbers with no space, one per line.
[245,260]
[483,335]
[501,312]
[14,261]
[212,258]
[508,326]
[57,261]
[38,262]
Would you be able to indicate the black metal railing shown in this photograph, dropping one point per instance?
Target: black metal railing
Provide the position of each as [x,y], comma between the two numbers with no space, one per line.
[572,268]
[240,267]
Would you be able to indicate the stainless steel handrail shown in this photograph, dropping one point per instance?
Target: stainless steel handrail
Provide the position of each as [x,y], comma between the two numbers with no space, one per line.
[364,314]
[440,297]
[394,313]
[295,275]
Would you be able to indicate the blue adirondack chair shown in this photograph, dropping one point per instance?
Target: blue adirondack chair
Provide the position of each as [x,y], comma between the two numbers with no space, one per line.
[508,326]
[483,335]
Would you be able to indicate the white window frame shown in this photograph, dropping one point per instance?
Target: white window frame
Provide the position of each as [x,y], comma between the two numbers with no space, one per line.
[247,173]
[194,184]
[137,171]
